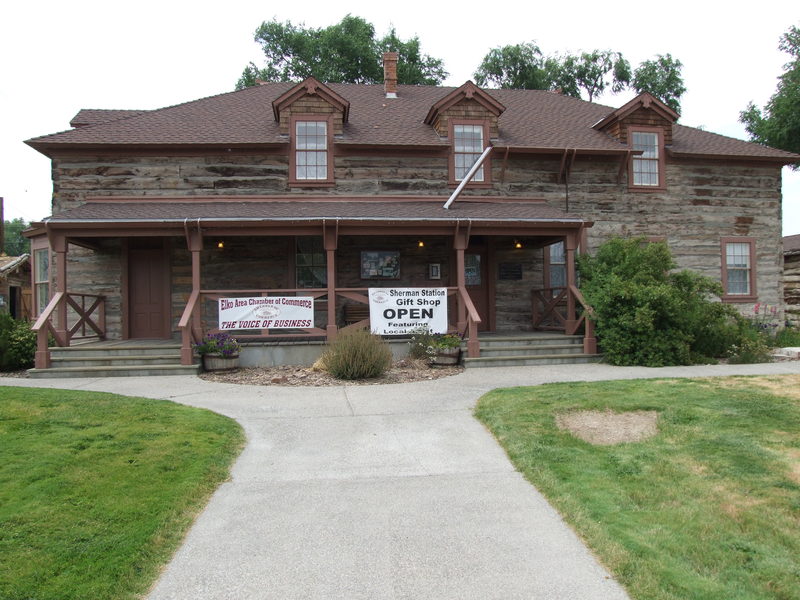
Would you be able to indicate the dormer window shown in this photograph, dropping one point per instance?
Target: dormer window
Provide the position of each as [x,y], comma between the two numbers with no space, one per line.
[311,160]
[467,148]
[647,169]
[469,142]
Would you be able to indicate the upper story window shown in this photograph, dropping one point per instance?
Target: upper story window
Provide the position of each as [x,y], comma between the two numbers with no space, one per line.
[311,160]
[738,269]
[469,142]
[647,168]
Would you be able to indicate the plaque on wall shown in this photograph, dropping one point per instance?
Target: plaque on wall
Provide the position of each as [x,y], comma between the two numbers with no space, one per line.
[510,271]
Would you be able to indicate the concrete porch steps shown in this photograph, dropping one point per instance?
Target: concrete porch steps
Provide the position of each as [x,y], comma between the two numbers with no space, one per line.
[530,350]
[117,359]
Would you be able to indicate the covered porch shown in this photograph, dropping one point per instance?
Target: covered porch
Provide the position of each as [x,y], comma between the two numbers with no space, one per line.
[166,263]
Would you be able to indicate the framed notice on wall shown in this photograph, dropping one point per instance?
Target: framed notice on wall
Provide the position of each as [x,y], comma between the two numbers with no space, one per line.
[380,264]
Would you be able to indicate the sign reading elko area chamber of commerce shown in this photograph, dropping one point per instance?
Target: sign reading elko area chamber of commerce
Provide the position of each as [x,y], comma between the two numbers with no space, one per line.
[400,311]
[266,312]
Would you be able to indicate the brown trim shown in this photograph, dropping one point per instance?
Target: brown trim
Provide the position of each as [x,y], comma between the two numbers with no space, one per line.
[738,298]
[310,87]
[468,91]
[125,288]
[451,161]
[659,131]
[293,180]
[307,198]
[643,100]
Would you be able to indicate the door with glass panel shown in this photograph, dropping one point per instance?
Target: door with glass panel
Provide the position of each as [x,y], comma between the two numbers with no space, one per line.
[477,283]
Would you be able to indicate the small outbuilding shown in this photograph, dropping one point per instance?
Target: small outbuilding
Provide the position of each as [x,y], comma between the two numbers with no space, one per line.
[15,285]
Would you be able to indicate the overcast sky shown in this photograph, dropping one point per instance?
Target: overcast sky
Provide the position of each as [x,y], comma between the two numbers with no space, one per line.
[59,57]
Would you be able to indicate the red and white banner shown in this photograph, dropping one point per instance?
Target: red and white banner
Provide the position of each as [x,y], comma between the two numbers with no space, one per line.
[266,312]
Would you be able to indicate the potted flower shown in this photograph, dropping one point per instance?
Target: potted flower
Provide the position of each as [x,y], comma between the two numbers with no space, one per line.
[445,349]
[220,352]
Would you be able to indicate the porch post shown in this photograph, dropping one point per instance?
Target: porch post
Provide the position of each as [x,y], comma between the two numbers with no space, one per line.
[570,243]
[59,245]
[330,238]
[194,240]
[460,242]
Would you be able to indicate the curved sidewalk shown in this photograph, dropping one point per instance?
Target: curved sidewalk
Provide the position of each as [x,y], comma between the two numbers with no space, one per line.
[390,491]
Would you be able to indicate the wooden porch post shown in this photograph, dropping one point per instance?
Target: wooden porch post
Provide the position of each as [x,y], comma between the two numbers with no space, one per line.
[330,238]
[460,242]
[570,243]
[194,240]
[59,245]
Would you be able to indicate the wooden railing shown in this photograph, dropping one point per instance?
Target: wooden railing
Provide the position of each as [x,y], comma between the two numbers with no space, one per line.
[192,327]
[554,309]
[88,311]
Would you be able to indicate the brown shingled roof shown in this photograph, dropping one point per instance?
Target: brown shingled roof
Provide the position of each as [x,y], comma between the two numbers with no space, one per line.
[302,210]
[533,119]
[791,244]
[93,116]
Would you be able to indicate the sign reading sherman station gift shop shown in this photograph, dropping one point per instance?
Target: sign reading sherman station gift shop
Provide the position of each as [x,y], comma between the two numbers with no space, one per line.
[266,312]
[400,311]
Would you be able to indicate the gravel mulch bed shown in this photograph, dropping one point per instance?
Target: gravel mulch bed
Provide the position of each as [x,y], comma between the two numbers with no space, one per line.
[403,371]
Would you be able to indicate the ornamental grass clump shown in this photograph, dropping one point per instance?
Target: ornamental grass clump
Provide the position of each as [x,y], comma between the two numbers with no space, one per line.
[357,355]
[220,343]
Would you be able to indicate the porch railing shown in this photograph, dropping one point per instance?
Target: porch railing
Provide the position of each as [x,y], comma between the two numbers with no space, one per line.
[193,328]
[554,309]
[68,316]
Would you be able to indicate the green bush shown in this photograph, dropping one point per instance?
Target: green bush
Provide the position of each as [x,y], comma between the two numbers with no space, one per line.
[357,355]
[646,313]
[17,344]
[788,337]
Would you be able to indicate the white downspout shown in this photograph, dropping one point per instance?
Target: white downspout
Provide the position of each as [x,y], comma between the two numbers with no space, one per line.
[468,177]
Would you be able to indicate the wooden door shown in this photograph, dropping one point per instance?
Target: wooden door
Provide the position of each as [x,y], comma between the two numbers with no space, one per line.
[477,283]
[148,291]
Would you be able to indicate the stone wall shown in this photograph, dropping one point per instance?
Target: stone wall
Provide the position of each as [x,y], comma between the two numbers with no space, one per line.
[703,202]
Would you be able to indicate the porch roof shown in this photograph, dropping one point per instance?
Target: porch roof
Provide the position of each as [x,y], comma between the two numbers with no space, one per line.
[115,212]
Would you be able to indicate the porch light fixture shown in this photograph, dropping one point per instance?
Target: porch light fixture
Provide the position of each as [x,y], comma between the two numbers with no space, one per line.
[517,244]
[220,244]
[420,244]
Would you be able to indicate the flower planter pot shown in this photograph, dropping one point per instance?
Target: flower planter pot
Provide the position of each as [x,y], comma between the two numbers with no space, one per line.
[446,357]
[217,362]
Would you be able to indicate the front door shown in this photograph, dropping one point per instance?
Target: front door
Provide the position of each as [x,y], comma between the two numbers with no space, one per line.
[148,291]
[477,283]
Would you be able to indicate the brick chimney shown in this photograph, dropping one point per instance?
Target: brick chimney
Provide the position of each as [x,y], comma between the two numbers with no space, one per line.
[390,74]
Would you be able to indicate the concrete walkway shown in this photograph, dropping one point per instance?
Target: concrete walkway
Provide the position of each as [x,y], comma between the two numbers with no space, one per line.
[390,491]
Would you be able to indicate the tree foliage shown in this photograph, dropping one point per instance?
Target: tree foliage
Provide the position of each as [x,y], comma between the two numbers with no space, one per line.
[15,244]
[662,78]
[524,66]
[778,125]
[648,314]
[346,52]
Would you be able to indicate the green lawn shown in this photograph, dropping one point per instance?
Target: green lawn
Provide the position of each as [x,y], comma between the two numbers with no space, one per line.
[97,490]
[708,508]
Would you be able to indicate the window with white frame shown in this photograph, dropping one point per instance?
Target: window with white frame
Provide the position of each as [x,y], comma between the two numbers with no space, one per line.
[557,267]
[311,150]
[646,167]
[467,148]
[738,268]
[41,278]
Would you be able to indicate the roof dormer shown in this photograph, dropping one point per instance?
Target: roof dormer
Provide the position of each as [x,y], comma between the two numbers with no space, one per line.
[644,111]
[466,102]
[310,97]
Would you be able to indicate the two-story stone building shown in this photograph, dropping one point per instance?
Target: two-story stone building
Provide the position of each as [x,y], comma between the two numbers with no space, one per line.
[325,190]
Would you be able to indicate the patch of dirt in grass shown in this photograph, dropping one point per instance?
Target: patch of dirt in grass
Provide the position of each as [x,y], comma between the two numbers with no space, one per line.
[604,428]
[403,371]
[793,455]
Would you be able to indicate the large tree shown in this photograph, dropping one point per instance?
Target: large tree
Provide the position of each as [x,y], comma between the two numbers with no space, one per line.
[523,66]
[662,78]
[347,52]
[778,125]
[15,244]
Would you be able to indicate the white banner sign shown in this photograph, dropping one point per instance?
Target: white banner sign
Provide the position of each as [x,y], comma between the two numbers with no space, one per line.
[266,312]
[399,311]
